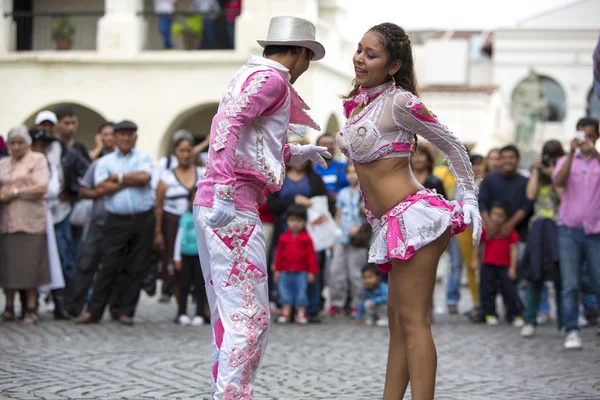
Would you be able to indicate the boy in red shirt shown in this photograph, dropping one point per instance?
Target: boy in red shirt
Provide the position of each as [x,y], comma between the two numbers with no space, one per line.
[498,268]
[295,265]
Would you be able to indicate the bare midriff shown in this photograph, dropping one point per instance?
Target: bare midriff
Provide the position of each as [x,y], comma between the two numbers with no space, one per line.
[386,182]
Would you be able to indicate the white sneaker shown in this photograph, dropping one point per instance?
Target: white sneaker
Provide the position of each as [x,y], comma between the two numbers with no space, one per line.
[184,320]
[382,322]
[573,341]
[582,322]
[491,320]
[197,321]
[528,331]
[518,322]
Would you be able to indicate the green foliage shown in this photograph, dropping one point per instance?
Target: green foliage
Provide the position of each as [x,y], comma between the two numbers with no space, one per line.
[62,29]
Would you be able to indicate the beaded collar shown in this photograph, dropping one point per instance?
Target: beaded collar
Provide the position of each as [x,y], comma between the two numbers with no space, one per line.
[367,93]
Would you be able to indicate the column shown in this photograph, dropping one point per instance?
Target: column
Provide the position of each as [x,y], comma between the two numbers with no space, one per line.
[121,31]
[7,27]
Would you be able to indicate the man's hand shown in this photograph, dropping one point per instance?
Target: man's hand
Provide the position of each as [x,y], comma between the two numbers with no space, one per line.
[311,278]
[475,264]
[354,230]
[575,144]
[512,273]
[302,153]
[177,266]
[108,188]
[369,304]
[221,214]
[159,241]
[276,276]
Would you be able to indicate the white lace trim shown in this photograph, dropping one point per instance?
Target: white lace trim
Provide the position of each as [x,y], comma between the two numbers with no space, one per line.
[225,192]
[235,106]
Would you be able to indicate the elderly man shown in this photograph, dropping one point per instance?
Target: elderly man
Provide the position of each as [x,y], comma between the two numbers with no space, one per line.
[124,177]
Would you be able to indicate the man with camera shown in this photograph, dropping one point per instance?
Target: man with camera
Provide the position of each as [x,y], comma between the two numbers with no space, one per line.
[579,221]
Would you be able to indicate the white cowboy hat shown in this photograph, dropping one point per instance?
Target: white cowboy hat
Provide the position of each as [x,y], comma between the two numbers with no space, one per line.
[292,31]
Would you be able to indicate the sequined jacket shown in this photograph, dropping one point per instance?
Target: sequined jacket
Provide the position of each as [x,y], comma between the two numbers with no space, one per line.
[247,150]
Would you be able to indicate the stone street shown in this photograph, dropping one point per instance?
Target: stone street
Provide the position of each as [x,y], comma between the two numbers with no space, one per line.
[334,360]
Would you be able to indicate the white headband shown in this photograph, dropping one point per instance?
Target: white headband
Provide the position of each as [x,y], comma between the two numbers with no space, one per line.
[20,130]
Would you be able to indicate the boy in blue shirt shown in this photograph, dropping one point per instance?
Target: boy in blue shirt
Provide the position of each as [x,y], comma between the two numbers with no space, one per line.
[374,302]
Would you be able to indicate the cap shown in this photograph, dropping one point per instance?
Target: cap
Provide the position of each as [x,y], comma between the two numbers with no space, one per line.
[40,134]
[125,125]
[45,116]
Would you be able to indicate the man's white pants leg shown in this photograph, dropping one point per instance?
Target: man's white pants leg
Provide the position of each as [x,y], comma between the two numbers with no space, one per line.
[233,260]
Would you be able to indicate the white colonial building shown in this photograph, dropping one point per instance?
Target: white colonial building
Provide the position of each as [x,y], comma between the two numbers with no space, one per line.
[115,69]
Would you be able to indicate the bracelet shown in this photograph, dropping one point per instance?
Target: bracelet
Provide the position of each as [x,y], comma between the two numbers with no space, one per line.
[120,178]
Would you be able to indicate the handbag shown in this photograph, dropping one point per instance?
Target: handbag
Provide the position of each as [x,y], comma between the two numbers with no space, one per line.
[362,239]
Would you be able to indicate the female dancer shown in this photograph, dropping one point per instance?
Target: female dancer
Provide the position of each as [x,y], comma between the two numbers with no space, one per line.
[411,225]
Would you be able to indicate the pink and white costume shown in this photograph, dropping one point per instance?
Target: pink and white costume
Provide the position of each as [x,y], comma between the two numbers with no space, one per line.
[247,154]
[386,128]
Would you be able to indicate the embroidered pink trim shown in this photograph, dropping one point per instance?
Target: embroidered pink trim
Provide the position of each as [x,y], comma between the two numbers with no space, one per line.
[253,319]
[235,106]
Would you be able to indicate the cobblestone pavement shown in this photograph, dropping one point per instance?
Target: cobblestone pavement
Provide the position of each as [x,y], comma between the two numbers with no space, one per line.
[332,360]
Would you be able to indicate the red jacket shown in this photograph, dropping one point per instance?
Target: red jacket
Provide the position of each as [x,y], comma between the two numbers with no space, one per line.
[296,254]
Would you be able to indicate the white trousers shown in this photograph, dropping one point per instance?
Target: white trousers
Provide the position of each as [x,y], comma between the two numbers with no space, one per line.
[233,260]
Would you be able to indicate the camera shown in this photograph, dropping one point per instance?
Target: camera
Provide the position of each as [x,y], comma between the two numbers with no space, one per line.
[547,160]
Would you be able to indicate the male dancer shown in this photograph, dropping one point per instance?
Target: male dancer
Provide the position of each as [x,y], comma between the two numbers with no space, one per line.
[248,153]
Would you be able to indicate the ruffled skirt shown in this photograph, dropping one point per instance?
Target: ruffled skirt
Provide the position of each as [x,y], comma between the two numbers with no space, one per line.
[414,223]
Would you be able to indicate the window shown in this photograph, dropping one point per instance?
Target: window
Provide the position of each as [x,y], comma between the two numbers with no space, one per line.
[542,96]
[593,108]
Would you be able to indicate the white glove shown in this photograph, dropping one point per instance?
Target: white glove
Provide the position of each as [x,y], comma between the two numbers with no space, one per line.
[302,153]
[221,214]
[472,216]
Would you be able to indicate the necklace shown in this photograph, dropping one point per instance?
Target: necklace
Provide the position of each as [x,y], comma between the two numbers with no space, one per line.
[367,93]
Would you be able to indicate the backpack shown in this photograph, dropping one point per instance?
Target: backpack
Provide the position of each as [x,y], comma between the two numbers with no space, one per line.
[189,246]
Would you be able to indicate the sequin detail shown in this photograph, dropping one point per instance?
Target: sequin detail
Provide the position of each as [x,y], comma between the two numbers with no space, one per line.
[252,319]
[417,221]
[225,192]
[235,106]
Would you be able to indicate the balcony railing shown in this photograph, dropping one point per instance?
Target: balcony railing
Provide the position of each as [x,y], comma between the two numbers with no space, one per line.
[77,30]
[36,31]
[186,31]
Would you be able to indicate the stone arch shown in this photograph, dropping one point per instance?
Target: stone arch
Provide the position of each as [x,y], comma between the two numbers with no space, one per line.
[333,125]
[89,120]
[196,120]
[593,104]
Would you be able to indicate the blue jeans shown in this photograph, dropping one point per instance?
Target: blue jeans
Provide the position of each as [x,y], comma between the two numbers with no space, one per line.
[456,266]
[66,248]
[209,32]
[292,289]
[575,247]
[231,34]
[165,22]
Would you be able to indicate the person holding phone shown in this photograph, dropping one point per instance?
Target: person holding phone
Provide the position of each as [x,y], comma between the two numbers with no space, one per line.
[578,173]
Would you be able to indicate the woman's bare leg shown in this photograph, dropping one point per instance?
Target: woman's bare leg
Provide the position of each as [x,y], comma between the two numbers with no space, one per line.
[396,376]
[411,291]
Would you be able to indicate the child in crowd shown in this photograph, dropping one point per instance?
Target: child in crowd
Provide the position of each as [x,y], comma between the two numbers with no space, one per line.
[349,256]
[373,306]
[296,265]
[498,268]
[187,263]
